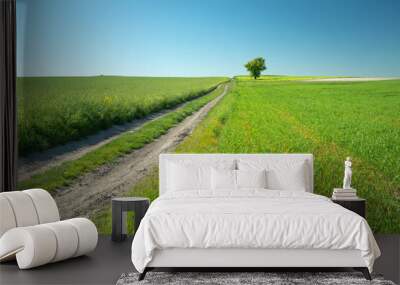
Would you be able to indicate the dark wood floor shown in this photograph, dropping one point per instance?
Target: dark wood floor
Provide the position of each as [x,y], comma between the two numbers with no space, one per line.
[103,266]
[110,260]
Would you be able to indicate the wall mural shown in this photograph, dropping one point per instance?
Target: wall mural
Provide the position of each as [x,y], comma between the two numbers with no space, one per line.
[105,86]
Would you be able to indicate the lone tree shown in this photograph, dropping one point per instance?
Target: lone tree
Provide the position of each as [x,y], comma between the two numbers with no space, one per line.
[255,67]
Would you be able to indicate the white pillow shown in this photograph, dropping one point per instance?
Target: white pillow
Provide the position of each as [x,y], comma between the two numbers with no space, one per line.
[281,175]
[188,177]
[288,177]
[251,178]
[218,163]
[226,179]
[223,179]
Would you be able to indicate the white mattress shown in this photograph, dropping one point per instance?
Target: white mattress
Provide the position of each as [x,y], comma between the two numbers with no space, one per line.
[252,219]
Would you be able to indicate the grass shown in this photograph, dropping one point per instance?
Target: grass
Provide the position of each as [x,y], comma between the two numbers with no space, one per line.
[279,78]
[55,110]
[330,120]
[67,172]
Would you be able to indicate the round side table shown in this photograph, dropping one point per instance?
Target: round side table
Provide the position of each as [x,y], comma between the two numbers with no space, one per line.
[120,206]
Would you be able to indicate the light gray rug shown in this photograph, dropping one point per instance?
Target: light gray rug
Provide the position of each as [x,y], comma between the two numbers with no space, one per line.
[236,278]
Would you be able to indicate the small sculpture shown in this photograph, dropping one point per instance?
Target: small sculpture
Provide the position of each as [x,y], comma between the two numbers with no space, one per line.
[347,174]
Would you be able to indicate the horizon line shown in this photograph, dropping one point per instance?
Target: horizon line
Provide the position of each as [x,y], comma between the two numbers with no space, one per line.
[202,76]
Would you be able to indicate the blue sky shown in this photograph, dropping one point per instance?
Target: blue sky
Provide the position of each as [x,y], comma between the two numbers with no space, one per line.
[207,37]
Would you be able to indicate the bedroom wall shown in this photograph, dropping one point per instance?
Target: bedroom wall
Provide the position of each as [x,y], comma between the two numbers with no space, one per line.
[92,73]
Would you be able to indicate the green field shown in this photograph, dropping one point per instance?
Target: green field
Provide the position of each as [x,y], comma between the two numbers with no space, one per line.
[330,120]
[55,110]
[64,174]
[280,78]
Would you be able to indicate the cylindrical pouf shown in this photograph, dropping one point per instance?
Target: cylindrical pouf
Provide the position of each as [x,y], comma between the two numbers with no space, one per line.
[26,208]
[33,246]
[46,207]
[23,208]
[52,242]
[7,218]
[87,235]
[67,240]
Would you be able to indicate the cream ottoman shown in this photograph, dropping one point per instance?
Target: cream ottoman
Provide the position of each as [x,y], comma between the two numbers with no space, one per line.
[31,230]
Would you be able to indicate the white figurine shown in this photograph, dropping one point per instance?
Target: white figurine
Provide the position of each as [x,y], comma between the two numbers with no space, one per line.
[347,174]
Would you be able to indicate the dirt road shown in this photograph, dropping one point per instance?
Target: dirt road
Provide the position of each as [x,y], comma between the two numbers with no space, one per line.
[93,191]
[41,161]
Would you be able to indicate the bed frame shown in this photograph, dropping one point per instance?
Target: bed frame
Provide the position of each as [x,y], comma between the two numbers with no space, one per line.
[250,259]
[245,259]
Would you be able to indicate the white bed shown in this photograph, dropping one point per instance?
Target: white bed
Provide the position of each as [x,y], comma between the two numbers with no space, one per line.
[207,226]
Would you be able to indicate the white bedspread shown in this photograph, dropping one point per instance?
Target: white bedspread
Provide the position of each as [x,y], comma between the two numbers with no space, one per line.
[250,219]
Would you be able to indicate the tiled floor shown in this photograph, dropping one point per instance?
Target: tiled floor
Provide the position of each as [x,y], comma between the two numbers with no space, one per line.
[110,260]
